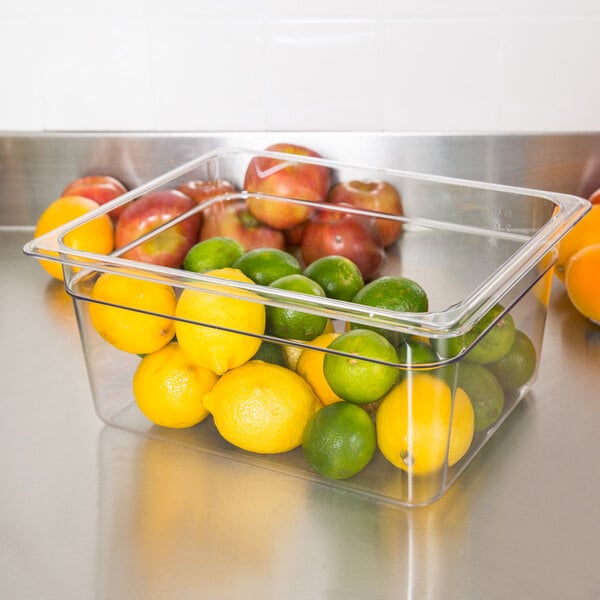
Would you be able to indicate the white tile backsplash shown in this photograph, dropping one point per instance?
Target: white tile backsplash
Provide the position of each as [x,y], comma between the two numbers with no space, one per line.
[20,100]
[550,74]
[320,75]
[207,74]
[433,65]
[95,74]
[442,75]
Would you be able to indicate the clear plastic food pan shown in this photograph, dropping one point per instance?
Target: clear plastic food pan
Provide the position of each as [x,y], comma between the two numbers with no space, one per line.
[482,253]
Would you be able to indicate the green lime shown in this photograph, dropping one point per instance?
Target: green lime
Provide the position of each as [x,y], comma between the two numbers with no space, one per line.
[392,292]
[339,277]
[415,352]
[492,347]
[213,253]
[518,366]
[357,380]
[291,323]
[266,265]
[272,353]
[484,391]
[339,441]
[497,341]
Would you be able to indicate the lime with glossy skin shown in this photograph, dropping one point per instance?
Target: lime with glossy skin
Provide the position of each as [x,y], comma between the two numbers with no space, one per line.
[355,378]
[339,441]
[339,277]
[291,323]
[415,351]
[518,366]
[271,352]
[213,253]
[497,341]
[492,347]
[392,292]
[266,265]
[484,391]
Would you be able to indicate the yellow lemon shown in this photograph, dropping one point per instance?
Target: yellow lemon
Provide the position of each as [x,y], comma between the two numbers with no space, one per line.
[310,366]
[262,407]
[414,422]
[124,325]
[95,236]
[212,348]
[168,388]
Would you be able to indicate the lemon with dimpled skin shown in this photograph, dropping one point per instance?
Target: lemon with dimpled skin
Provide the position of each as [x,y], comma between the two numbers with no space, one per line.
[169,388]
[207,345]
[126,324]
[261,407]
[414,422]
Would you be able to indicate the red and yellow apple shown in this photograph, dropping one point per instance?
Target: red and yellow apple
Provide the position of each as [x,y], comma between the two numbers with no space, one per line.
[595,197]
[344,234]
[231,218]
[288,179]
[100,188]
[377,196]
[145,214]
[200,190]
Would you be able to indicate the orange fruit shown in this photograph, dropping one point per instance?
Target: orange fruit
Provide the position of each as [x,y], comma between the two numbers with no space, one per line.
[585,233]
[582,281]
[95,236]
[310,366]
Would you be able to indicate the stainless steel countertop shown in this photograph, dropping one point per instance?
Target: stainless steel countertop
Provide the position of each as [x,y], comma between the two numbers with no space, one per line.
[88,511]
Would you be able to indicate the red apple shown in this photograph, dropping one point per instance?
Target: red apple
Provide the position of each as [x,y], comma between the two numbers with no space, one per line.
[293,236]
[199,190]
[344,234]
[289,179]
[100,188]
[595,197]
[149,212]
[378,196]
[231,218]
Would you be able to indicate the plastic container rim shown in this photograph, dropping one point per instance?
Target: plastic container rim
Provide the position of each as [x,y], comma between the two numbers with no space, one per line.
[452,321]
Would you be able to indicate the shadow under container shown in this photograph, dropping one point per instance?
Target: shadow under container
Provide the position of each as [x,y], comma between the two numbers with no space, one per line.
[483,253]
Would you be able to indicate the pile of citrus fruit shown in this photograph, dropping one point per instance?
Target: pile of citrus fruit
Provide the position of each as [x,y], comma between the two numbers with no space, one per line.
[341,391]
[274,377]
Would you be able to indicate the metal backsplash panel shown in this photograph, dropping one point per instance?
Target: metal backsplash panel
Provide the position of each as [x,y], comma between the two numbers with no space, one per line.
[35,167]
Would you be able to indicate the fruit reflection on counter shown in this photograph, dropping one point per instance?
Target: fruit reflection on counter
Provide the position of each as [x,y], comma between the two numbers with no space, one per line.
[276,379]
